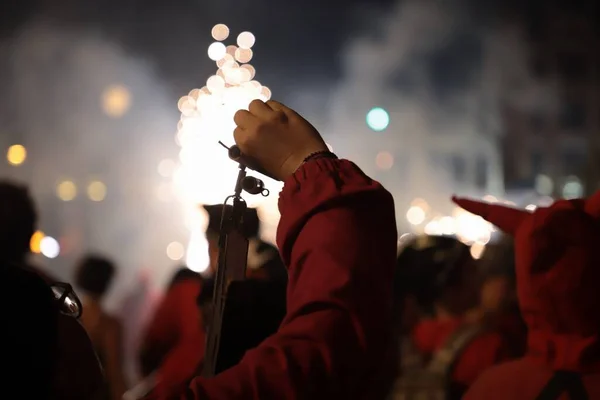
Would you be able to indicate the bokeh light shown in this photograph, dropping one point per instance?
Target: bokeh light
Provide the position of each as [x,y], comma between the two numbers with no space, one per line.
[66,191]
[246,40]
[175,251]
[378,119]
[116,101]
[204,174]
[572,189]
[35,244]
[216,51]
[49,247]
[16,154]
[220,32]
[243,55]
[384,160]
[415,215]
[96,191]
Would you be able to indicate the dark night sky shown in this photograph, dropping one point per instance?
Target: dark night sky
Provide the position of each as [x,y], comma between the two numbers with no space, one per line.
[300,36]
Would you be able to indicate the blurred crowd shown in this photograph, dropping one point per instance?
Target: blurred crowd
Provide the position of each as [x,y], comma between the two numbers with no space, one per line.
[457,327]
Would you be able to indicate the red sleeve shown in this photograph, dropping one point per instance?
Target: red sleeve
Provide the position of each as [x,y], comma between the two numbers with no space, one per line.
[338,237]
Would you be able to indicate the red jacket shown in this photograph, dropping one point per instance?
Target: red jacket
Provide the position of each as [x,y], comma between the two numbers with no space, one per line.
[175,337]
[338,237]
[557,265]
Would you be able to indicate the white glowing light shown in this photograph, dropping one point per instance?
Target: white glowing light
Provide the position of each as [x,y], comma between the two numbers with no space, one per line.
[216,51]
[204,174]
[197,255]
[246,40]
[472,229]
[447,226]
[415,215]
[531,207]
[433,228]
[220,32]
[49,247]
[477,251]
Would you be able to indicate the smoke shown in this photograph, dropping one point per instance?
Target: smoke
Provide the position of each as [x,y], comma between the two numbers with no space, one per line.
[57,78]
[445,71]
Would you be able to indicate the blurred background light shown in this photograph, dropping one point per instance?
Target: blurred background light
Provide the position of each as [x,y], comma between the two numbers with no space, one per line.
[35,244]
[246,40]
[220,32]
[384,160]
[96,191]
[116,101]
[16,154]
[378,119]
[66,191]
[175,251]
[49,247]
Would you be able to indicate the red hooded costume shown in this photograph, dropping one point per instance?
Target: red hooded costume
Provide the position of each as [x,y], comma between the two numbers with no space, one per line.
[175,338]
[337,235]
[557,265]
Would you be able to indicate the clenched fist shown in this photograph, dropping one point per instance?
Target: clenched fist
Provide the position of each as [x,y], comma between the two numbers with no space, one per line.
[275,138]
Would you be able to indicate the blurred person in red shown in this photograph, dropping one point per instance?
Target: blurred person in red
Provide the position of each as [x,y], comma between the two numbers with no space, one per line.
[93,277]
[18,222]
[337,237]
[172,345]
[557,259]
[441,282]
[499,308]
[47,351]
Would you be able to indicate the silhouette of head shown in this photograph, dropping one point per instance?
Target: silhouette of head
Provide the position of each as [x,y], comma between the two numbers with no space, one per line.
[18,220]
[94,275]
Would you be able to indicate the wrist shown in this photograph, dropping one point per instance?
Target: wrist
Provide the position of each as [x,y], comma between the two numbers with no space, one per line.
[316,156]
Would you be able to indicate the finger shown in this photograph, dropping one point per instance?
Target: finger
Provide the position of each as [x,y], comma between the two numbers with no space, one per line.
[240,136]
[277,106]
[244,119]
[260,109]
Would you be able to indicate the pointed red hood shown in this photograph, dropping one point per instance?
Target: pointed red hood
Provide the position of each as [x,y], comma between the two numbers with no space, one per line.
[558,270]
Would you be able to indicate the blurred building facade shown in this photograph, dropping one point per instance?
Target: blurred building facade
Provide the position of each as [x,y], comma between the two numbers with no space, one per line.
[432,145]
[561,146]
